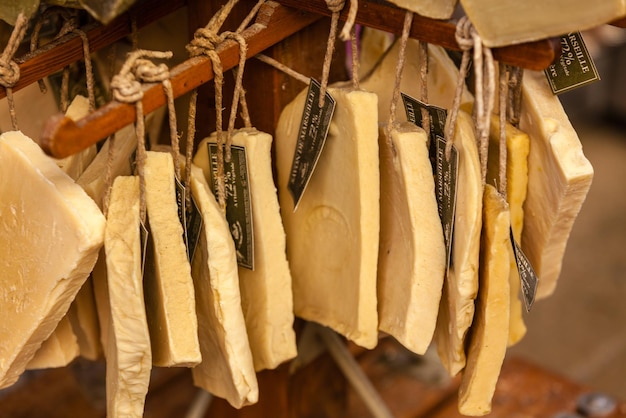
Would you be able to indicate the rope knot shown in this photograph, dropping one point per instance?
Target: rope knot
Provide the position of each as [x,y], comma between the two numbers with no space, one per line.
[465,34]
[126,88]
[335,6]
[9,73]
[149,72]
[204,40]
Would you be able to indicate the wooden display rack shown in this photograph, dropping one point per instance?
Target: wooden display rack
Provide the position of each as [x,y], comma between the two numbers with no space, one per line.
[293,32]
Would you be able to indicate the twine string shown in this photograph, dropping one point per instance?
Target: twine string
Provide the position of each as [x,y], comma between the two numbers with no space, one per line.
[9,70]
[335,6]
[406,27]
[423,54]
[503,96]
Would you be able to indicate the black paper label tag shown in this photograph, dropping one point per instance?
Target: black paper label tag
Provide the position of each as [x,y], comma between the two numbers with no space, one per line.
[180,202]
[446,177]
[144,236]
[438,115]
[238,201]
[528,278]
[194,226]
[575,68]
[311,139]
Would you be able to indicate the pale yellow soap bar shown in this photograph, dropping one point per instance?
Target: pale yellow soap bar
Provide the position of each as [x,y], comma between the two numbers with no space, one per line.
[506,22]
[442,79]
[490,330]
[559,177]
[227,368]
[46,254]
[170,301]
[517,149]
[461,285]
[434,9]
[129,357]
[58,350]
[266,294]
[411,257]
[332,238]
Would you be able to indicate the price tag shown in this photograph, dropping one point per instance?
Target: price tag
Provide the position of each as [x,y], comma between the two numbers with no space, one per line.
[446,176]
[194,226]
[528,278]
[575,68]
[438,115]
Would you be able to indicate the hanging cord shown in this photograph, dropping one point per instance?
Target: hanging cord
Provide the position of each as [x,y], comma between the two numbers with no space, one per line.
[406,27]
[335,6]
[516,75]
[502,98]
[108,176]
[237,96]
[127,89]
[204,43]
[9,70]
[484,72]
[346,32]
[423,59]
[354,52]
[283,68]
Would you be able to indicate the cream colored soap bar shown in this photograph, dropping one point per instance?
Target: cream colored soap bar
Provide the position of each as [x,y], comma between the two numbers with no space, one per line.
[129,359]
[169,290]
[434,9]
[46,254]
[506,22]
[559,177]
[332,239]
[266,294]
[76,164]
[58,350]
[442,79]
[490,330]
[227,368]
[461,285]
[411,257]
[517,149]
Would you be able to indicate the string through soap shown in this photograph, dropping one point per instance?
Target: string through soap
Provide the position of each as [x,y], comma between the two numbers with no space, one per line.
[335,6]
[354,52]
[502,99]
[516,75]
[406,27]
[108,176]
[9,70]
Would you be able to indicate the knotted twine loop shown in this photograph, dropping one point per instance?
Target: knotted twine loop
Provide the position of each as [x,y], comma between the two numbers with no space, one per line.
[335,6]
[127,89]
[346,32]
[468,39]
[204,43]
[502,97]
[9,70]
[406,27]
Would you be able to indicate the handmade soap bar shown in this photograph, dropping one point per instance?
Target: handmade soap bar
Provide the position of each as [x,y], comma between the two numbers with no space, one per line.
[129,358]
[58,350]
[435,9]
[266,294]
[46,254]
[559,177]
[332,237]
[227,368]
[411,257]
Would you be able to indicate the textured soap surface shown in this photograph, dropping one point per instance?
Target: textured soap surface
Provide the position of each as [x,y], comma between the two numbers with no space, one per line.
[332,238]
[46,254]
[411,257]
[227,368]
[170,300]
[559,177]
[490,329]
[435,9]
[461,285]
[266,291]
[59,349]
[129,357]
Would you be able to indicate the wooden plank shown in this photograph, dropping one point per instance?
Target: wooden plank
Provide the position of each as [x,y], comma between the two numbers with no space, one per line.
[68,49]
[387,17]
[63,137]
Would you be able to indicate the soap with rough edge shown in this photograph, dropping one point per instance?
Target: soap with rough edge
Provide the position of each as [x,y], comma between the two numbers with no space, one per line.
[168,287]
[58,350]
[129,357]
[490,330]
[47,254]
[460,288]
[412,255]
[332,237]
[227,368]
[266,294]
[559,177]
